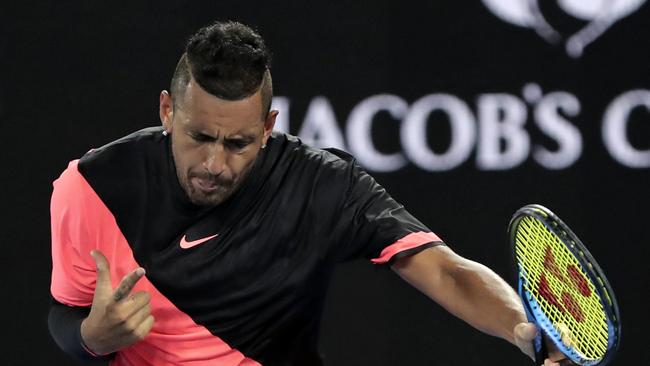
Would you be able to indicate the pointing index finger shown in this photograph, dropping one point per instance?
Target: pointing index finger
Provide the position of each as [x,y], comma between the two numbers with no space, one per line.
[127,284]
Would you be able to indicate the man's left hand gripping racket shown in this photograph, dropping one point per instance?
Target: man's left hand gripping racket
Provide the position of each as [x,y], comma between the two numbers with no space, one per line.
[564,291]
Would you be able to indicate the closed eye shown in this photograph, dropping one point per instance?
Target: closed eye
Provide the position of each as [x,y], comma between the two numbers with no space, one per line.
[237,144]
[199,137]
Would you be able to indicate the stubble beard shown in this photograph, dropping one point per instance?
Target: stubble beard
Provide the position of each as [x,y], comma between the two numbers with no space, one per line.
[224,187]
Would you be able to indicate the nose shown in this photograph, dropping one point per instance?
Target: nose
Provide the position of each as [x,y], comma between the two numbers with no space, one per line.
[215,164]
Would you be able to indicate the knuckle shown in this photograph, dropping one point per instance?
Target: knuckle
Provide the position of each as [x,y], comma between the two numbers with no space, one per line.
[146,296]
[131,327]
[121,319]
[151,322]
[124,287]
[120,315]
[142,334]
[118,294]
[127,328]
[143,331]
[142,296]
[126,278]
[144,312]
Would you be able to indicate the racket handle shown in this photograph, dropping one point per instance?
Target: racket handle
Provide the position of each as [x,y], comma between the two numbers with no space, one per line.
[540,349]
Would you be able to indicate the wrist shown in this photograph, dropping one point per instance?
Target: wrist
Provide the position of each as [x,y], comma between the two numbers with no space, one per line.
[83,338]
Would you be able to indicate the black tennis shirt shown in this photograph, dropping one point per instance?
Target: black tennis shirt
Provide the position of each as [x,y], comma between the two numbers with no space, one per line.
[253,288]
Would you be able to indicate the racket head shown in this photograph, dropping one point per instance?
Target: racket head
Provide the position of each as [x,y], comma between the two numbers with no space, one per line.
[563,288]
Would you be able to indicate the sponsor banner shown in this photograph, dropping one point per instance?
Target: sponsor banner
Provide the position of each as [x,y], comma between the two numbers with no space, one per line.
[494,130]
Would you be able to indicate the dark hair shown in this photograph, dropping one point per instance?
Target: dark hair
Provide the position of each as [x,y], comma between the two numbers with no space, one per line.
[228,60]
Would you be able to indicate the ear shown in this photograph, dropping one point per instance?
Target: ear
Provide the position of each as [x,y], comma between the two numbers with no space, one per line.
[268,125]
[166,110]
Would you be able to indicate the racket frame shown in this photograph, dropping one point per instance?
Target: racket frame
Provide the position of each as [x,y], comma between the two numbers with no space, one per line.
[589,266]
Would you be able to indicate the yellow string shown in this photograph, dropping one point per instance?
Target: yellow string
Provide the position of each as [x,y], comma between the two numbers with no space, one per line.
[589,337]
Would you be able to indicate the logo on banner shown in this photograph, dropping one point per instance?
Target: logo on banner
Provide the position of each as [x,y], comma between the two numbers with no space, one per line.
[500,131]
[596,16]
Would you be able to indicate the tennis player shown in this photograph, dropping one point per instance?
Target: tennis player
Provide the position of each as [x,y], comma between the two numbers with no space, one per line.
[211,240]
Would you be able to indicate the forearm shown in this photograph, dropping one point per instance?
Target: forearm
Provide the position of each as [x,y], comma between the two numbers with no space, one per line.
[467,289]
[64,323]
[481,298]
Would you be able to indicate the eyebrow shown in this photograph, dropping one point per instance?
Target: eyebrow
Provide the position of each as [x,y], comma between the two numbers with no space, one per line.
[246,136]
[242,136]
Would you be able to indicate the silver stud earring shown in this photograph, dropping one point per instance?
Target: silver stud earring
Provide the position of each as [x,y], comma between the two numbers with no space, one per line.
[263,146]
[165,133]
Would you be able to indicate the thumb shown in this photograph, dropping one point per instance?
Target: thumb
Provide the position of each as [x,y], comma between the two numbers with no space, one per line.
[525,331]
[103,272]
[524,334]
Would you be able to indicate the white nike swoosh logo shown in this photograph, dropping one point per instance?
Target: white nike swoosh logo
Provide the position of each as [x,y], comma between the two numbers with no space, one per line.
[188,244]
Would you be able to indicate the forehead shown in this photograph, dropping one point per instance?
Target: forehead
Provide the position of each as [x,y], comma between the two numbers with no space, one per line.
[203,111]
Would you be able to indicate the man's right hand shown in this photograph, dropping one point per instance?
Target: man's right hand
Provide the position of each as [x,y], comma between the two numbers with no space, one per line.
[116,319]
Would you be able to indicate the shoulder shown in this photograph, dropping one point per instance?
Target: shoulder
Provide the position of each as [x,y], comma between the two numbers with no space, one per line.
[137,160]
[120,149]
[122,168]
[291,148]
[73,199]
[132,146]
[69,184]
[328,172]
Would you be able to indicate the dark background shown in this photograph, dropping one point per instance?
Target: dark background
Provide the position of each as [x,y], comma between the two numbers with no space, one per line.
[77,74]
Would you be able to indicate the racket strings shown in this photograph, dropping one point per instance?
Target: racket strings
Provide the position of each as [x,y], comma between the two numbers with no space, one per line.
[560,286]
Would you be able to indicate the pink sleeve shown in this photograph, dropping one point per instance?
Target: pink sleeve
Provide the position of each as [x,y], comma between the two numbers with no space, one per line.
[73,269]
[407,243]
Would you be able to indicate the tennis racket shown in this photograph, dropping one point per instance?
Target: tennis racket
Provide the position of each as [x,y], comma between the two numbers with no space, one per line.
[563,289]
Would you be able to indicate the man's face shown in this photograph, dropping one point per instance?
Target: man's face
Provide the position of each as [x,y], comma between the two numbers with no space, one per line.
[214,141]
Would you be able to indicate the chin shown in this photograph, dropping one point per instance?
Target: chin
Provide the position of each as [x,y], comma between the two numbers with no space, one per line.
[213,199]
[208,200]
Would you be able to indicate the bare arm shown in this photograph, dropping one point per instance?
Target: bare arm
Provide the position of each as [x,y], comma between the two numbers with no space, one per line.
[475,294]
[467,289]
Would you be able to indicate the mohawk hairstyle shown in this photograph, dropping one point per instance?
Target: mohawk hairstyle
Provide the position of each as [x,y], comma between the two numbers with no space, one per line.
[228,60]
